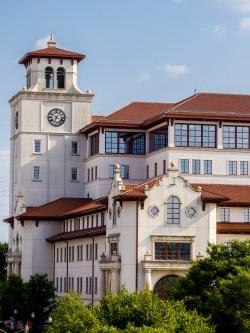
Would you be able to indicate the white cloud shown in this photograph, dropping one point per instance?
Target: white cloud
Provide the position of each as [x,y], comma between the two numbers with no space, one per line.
[244,24]
[240,6]
[216,29]
[176,71]
[144,77]
[42,42]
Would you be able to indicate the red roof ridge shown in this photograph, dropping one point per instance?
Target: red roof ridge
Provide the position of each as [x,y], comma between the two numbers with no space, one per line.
[137,186]
[183,102]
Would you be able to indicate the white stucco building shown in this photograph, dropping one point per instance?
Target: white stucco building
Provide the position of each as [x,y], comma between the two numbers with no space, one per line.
[128,199]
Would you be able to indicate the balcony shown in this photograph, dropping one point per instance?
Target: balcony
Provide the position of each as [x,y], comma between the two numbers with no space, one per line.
[172,265]
[110,262]
[14,256]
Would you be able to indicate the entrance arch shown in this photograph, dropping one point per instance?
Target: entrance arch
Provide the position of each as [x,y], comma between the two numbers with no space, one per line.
[164,284]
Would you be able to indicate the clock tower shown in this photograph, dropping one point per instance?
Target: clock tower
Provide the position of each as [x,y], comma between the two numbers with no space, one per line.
[47,152]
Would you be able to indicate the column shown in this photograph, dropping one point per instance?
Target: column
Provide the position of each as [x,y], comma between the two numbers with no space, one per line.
[114,281]
[104,282]
[219,137]
[101,143]
[170,135]
[148,280]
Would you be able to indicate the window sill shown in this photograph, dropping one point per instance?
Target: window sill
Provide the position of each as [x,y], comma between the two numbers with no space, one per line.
[75,154]
[75,181]
[35,153]
[37,180]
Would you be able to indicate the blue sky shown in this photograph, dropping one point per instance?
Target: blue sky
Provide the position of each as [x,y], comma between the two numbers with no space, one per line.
[136,50]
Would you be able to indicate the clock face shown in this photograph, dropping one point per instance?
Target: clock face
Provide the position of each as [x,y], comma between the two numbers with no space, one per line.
[190,211]
[56,117]
[154,211]
[16,120]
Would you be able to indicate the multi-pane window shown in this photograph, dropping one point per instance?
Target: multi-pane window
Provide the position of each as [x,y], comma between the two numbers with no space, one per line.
[184,166]
[235,137]
[208,169]
[102,219]
[247,215]
[172,251]
[147,171]
[37,146]
[164,167]
[158,140]
[173,210]
[94,144]
[124,143]
[74,174]
[225,214]
[196,166]
[155,169]
[113,248]
[74,148]
[36,173]
[232,168]
[124,170]
[190,135]
[244,167]
[49,78]
[77,223]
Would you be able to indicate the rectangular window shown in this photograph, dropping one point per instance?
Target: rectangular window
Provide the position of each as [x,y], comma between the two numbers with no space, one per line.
[158,140]
[124,169]
[244,167]
[97,220]
[232,168]
[96,251]
[235,137]
[37,146]
[147,171]
[184,166]
[88,175]
[164,167]
[96,172]
[36,173]
[113,248]
[102,219]
[57,255]
[61,254]
[191,135]
[74,174]
[208,167]
[74,148]
[196,166]
[94,144]
[95,286]
[225,214]
[125,143]
[87,252]
[247,215]
[92,173]
[87,285]
[172,251]
[61,285]
[155,169]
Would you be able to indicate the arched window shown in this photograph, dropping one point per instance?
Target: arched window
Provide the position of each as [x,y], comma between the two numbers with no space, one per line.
[28,79]
[60,75]
[17,242]
[173,210]
[49,77]
[164,284]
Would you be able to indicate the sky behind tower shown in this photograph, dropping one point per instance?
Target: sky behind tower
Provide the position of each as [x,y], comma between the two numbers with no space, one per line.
[136,50]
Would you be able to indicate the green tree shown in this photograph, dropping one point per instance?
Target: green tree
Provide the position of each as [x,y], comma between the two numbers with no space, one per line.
[12,295]
[128,313]
[3,260]
[39,298]
[71,315]
[219,286]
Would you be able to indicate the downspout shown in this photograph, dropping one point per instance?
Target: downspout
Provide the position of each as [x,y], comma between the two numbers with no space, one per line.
[136,246]
[93,271]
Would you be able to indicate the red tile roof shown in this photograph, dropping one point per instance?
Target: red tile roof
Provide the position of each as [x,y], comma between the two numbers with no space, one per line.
[132,115]
[63,236]
[233,228]
[204,106]
[51,52]
[225,194]
[63,208]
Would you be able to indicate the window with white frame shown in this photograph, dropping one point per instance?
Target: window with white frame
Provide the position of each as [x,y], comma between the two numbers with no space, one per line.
[172,251]
[225,214]
[173,210]
[196,166]
[74,148]
[184,166]
[74,174]
[232,168]
[37,146]
[247,215]
[244,167]
[36,173]
[208,167]
[124,169]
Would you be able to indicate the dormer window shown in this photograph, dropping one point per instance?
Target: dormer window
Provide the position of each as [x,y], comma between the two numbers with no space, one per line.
[49,78]
[60,76]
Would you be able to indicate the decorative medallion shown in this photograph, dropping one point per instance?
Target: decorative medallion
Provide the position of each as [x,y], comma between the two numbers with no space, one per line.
[154,211]
[190,211]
